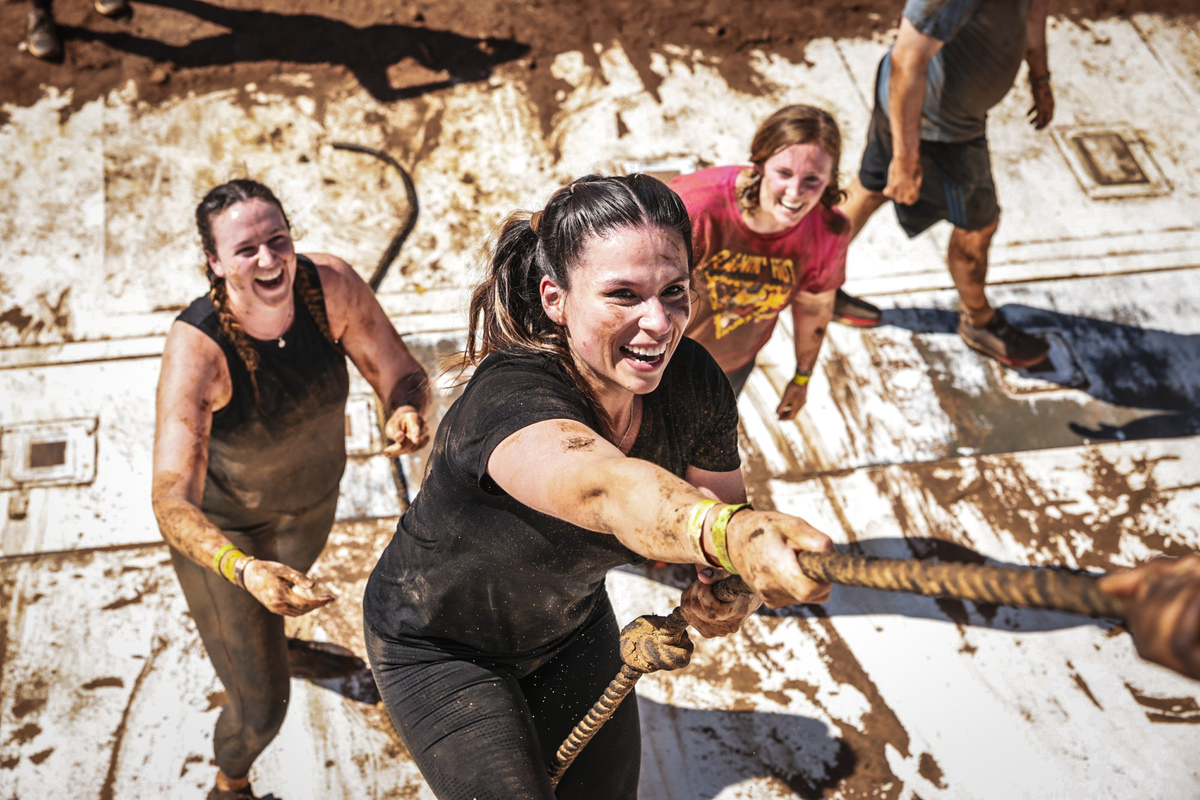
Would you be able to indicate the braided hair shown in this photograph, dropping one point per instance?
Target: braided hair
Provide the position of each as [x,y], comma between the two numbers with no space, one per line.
[506,311]
[795,124]
[217,201]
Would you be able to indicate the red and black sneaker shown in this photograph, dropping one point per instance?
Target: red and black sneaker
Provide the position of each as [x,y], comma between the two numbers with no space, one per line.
[1007,344]
[850,310]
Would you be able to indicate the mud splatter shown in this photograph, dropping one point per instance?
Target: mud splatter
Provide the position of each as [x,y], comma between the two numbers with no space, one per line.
[216,700]
[27,706]
[126,601]
[26,733]
[40,756]
[584,443]
[1170,710]
[187,762]
[930,771]
[110,777]
[1124,502]
[860,768]
[1083,686]
[102,683]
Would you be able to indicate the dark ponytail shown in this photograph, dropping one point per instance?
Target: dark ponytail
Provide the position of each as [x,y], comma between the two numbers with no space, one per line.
[506,311]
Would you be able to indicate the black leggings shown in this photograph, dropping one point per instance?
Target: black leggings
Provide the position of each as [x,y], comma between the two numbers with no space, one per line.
[479,730]
[245,641]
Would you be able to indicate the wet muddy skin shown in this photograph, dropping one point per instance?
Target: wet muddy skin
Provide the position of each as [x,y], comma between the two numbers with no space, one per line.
[787,732]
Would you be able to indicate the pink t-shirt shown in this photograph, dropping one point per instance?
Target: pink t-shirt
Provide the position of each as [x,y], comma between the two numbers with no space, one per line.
[745,279]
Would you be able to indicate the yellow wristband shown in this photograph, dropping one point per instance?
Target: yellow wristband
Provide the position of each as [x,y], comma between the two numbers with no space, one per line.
[225,548]
[800,379]
[695,529]
[718,535]
[228,562]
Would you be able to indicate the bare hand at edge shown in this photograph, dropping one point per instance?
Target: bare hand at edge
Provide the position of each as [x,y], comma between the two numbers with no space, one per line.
[1164,610]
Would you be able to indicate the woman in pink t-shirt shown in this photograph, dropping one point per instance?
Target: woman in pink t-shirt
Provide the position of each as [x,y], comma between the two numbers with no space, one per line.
[767,237]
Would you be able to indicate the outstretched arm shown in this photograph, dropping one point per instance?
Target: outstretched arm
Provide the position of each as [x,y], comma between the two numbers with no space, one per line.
[906,96]
[565,469]
[1163,615]
[195,382]
[358,321]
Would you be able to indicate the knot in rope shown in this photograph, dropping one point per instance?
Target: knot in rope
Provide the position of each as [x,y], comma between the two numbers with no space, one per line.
[653,643]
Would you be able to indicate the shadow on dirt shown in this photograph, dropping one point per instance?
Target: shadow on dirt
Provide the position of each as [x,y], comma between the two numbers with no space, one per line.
[1119,364]
[311,39]
[332,667]
[795,750]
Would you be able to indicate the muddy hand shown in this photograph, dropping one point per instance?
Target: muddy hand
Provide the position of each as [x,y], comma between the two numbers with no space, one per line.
[406,427]
[283,590]
[794,398]
[708,615]
[1042,110]
[903,182]
[1163,611]
[763,546]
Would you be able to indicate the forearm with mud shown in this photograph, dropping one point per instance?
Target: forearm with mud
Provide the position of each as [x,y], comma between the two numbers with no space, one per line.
[808,333]
[1035,39]
[644,506]
[411,390]
[906,96]
[183,525]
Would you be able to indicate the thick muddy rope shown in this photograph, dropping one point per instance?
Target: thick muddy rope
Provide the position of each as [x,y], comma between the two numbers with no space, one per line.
[641,640]
[1006,586]
[410,220]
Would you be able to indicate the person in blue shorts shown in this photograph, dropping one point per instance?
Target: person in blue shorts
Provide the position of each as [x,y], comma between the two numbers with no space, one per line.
[927,149]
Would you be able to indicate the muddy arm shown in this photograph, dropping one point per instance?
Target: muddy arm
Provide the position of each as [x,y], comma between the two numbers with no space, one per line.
[567,470]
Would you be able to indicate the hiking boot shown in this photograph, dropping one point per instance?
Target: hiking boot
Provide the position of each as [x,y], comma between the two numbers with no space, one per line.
[41,36]
[850,310]
[112,8]
[1010,346]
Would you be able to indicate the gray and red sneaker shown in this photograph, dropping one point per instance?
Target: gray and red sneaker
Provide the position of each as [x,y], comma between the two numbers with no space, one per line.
[1007,344]
[850,310]
[112,8]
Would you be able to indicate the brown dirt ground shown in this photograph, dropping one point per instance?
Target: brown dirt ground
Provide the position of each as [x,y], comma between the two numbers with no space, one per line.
[398,50]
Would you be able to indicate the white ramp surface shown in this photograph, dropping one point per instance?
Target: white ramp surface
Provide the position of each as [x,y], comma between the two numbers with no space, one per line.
[911,444]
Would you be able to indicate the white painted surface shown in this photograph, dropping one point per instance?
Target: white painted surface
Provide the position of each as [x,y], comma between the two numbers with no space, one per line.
[907,435]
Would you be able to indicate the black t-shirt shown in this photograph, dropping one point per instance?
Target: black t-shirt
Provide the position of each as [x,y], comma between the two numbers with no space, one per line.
[475,571]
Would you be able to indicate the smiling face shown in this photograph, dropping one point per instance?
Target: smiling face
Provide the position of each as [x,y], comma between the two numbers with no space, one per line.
[626,310]
[794,179]
[254,254]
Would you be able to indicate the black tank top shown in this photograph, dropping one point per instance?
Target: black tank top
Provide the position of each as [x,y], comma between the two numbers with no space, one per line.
[286,453]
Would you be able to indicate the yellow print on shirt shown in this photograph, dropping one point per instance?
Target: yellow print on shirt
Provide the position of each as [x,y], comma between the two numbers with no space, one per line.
[743,287]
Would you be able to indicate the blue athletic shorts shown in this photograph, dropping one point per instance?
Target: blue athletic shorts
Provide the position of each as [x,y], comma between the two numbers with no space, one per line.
[956,183]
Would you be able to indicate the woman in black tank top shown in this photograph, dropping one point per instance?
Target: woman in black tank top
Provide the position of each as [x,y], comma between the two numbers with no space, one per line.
[250,446]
